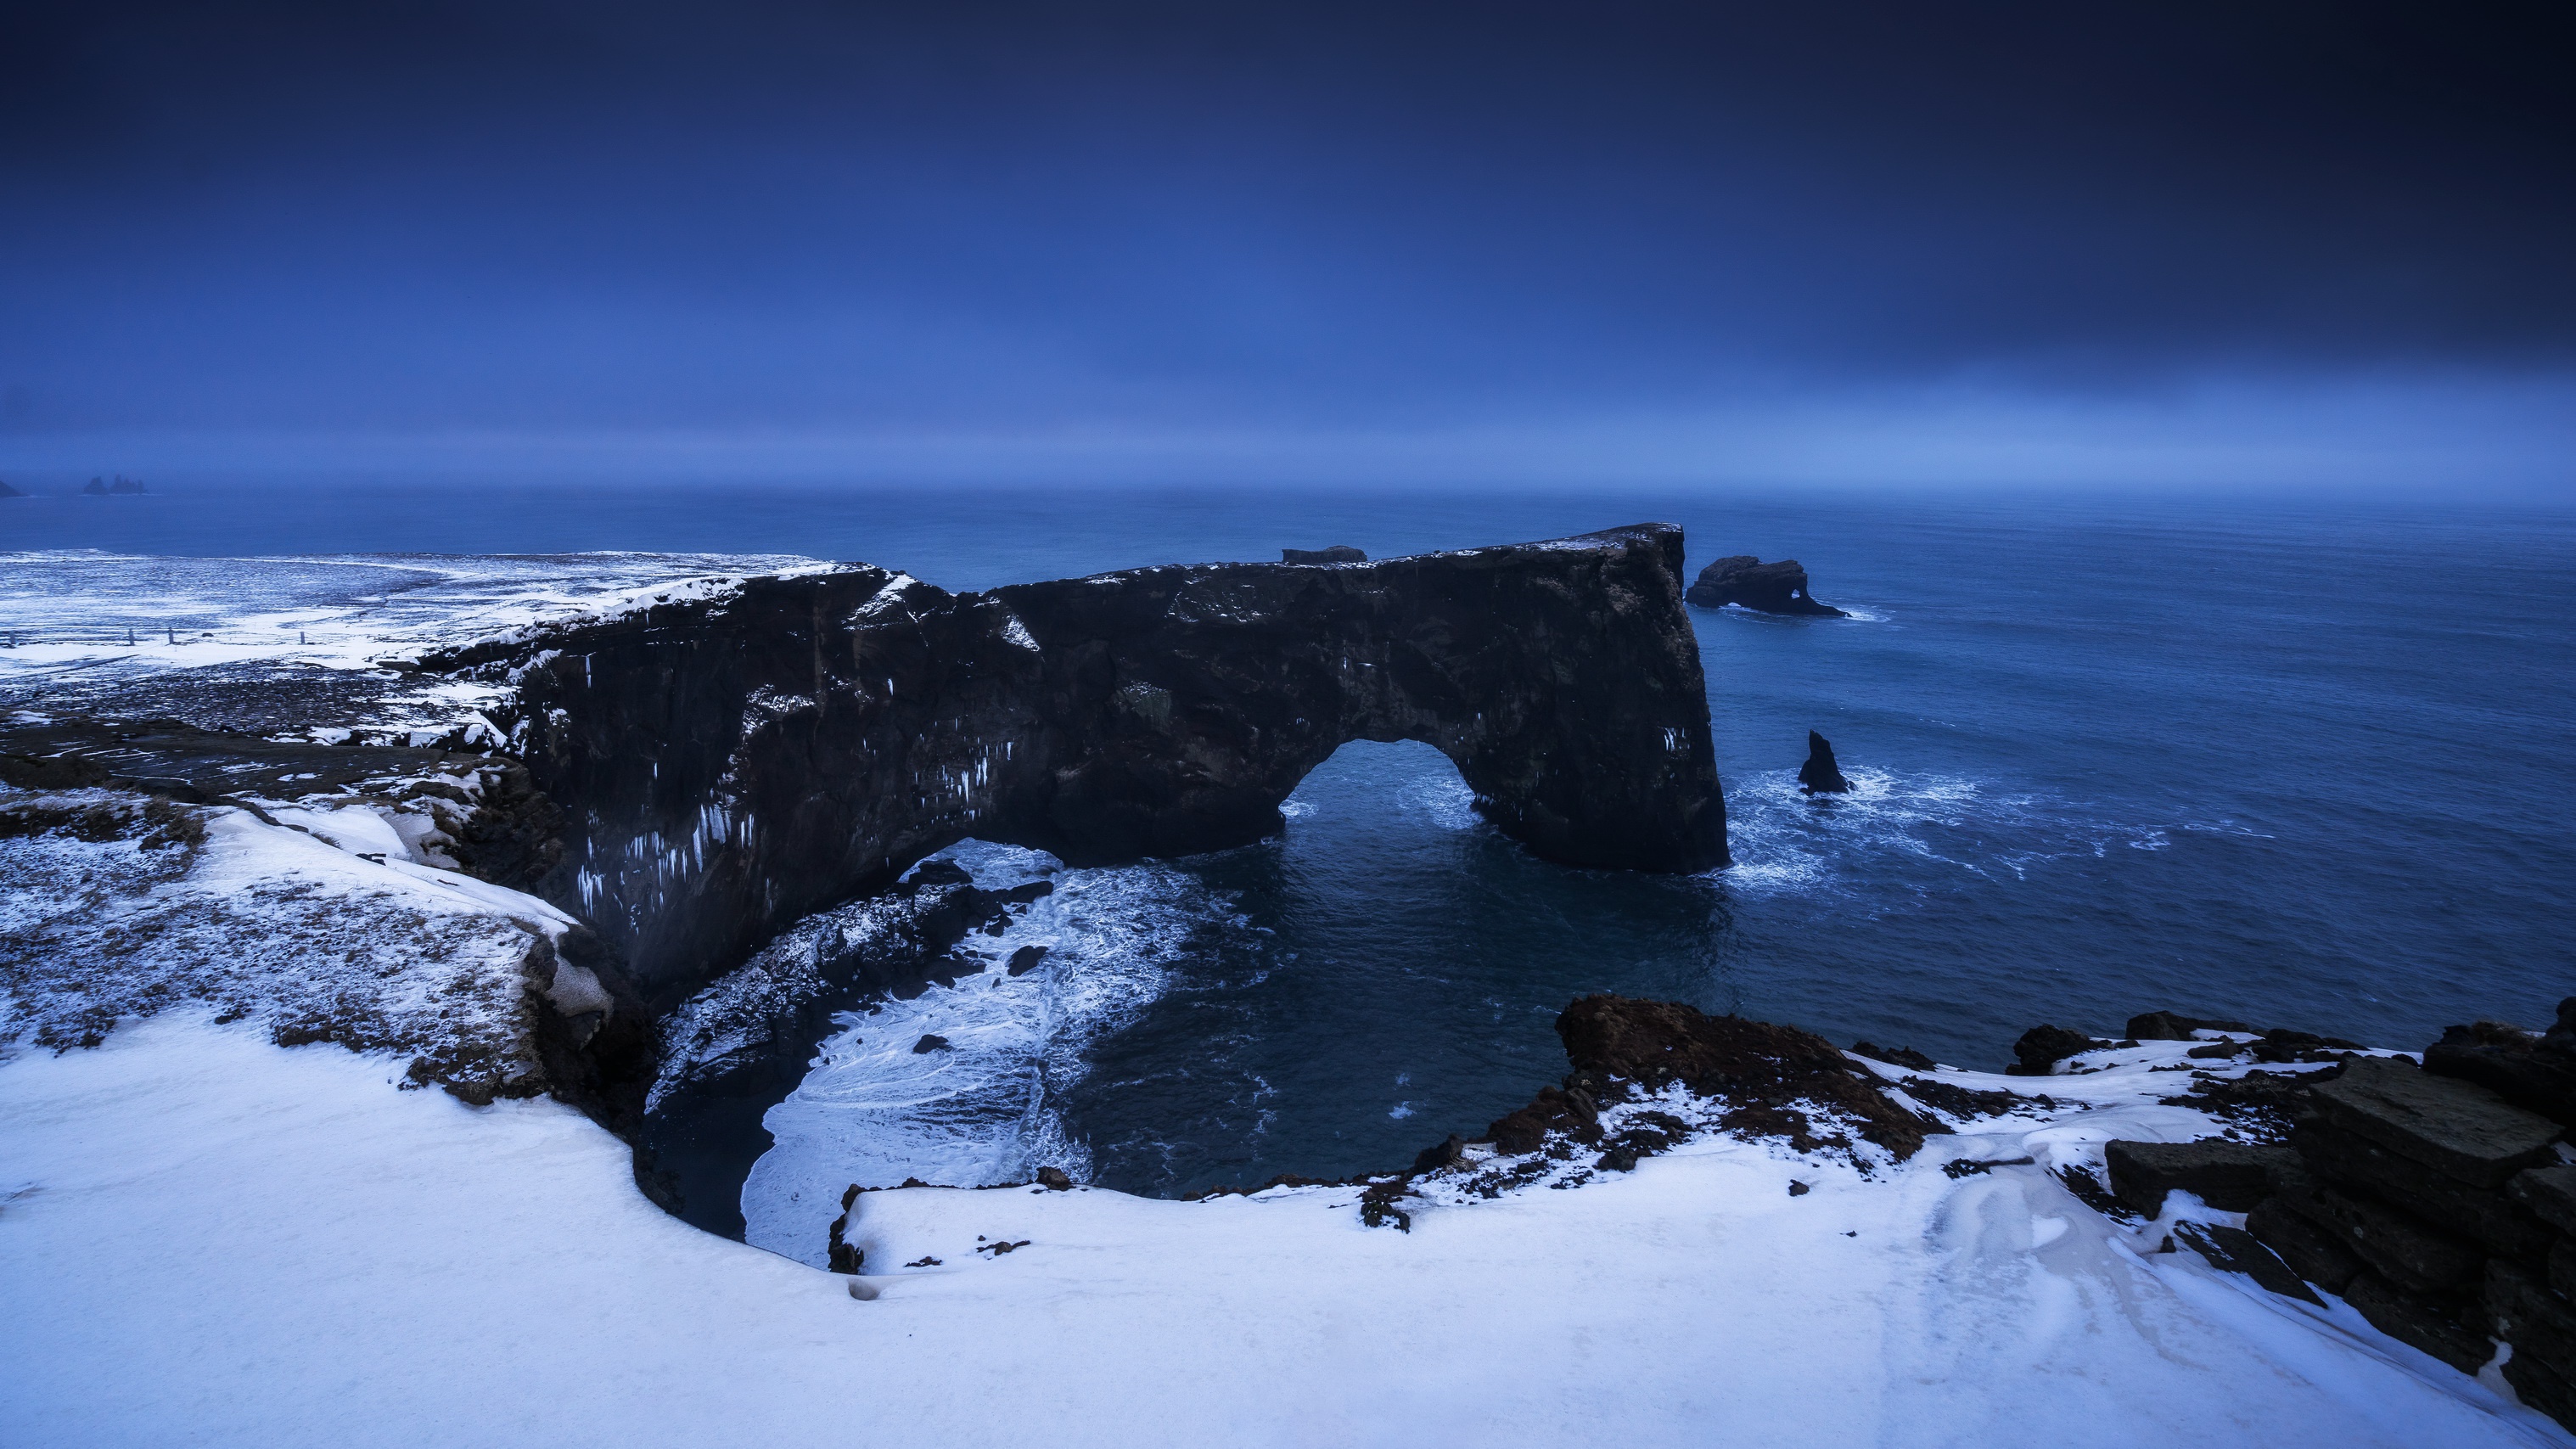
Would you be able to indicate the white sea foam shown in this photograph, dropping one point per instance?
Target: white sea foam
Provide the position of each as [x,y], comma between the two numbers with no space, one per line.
[872,1110]
[1786,841]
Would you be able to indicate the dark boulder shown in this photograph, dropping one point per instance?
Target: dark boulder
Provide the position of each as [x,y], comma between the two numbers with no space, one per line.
[2411,1253]
[1898,1057]
[2174,1026]
[1026,959]
[1339,553]
[1820,775]
[2311,1251]
[2550,1192]
[2041,1048]
[2532,1071]
[1770,588]
[2234,1250]
[1443,1154]
[2447,1328]
[2229,1176]
[1055,1179]
[2463,1131]
[1771,1076]
[2491,1219]
[931,1043]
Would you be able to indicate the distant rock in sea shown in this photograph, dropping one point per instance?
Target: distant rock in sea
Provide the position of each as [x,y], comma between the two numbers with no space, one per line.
[1820,775]
[8,492]
[1770,588]
[1338,553]
[101,488]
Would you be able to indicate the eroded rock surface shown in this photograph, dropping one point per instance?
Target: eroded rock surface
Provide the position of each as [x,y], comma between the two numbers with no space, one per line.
[1769,588]
[736,763]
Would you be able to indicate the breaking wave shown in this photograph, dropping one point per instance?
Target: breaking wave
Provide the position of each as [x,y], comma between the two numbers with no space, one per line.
[1785,841]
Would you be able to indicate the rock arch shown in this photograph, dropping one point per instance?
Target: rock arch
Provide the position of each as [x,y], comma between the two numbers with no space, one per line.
[731,764]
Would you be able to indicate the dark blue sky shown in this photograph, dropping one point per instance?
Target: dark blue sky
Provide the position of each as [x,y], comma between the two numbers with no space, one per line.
[958,237]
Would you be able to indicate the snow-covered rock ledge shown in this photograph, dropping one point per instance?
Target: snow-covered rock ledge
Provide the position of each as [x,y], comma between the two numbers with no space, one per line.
[332,916]
[207,1237]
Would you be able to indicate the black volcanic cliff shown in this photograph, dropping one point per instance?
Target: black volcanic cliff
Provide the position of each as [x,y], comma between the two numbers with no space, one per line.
[732,765]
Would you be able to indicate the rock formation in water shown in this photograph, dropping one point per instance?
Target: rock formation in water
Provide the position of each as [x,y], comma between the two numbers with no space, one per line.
[736,763]
[1820,775]
[8,492]
[101,488]
[1339,553]
[1771,588]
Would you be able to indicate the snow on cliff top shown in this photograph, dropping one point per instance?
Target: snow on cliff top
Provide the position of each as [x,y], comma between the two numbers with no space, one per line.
[207,1238]
[129,634]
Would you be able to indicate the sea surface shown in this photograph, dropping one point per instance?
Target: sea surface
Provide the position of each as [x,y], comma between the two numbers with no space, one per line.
[2300,763]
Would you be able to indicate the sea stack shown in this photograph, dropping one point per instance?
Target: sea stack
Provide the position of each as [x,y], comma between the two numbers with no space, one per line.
[1339,553]
[1770,588]
[1820,775]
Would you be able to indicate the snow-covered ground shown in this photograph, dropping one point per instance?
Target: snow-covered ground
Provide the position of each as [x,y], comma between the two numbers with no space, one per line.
[205,1238]
[132,634]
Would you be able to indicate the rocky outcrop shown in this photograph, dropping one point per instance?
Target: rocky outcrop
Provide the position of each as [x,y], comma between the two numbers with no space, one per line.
[1338,554]
[1820,775]
[734,764]
[1770,588]
[101,488]
[8,492]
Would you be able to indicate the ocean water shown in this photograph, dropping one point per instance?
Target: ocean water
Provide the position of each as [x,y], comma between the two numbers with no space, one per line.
[2302,763]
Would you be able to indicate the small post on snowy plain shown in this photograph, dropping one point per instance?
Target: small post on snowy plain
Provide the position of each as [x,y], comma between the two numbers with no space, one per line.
[174,638]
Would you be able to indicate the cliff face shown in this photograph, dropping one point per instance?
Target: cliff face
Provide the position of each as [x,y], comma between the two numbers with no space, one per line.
[733,764]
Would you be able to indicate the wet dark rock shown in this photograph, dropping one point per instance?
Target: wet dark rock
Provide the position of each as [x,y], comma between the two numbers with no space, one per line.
[1900,1057]
[2454,1127]
[1055,1179]
[1820,775]
[1777,1080]
[2310,1251]
[2229,1176]
[1771,588]
[1441,1154]
[1798,1189]
[815,736]
[2233,1250]
[1026,959]
[2042,1047]
[1551,1110]
[2490,1219]
[1339,553]
[931,1043]
[1617,1159]
[940,873]
[2530,1070]
[2448,1329]
[2174,1026]
[2089,1191]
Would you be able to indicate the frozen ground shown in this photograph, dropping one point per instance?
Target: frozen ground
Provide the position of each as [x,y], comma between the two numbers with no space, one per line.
[271,645]
[206,1238]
